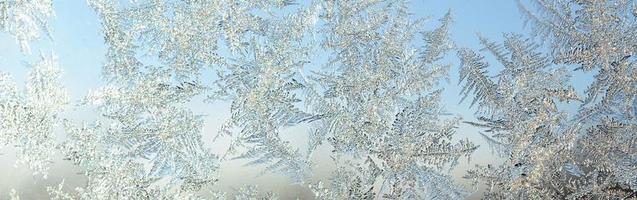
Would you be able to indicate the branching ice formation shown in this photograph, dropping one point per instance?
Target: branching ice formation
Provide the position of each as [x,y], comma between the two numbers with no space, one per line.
[360,78]
[28,117]
[25,20]
[551,156]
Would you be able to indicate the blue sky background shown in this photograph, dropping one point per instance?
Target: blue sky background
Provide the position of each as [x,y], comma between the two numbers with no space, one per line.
[80,49]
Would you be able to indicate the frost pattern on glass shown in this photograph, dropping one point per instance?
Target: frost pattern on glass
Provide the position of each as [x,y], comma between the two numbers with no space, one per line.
[147,142]
[268,78]
[263,83]
[360,78]
[25,20]
[519,111]
[390,135]
[595,145]
[149,135]
[28,117]
[598,37]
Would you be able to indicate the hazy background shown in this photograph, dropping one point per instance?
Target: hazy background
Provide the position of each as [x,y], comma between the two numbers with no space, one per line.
[80,49]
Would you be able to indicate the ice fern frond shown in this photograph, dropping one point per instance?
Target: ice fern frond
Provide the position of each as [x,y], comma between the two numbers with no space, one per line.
[437,41]
[473,71]
[264,84]
[560,21]
[498,51]
[279,157]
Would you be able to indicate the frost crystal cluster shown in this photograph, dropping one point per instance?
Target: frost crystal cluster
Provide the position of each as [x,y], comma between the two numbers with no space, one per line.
[359,80]
[520,110]
[380,105]
[28,117]
[552,153]
[25,20]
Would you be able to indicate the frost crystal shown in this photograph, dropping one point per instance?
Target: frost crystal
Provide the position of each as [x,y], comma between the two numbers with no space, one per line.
[25,20]
[28,118]
[359,78]
[520,111]
[599,37]
[381,105]
[150,145]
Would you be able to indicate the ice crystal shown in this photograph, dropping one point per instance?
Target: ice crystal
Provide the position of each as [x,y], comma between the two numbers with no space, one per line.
[382,106]
[367,105]
[25,20]
[28,118]
[263,85]
[594,35]
[598,37]
[519,109]
[151,144]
